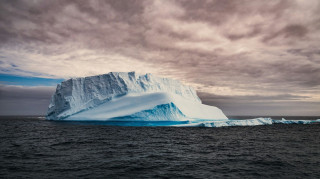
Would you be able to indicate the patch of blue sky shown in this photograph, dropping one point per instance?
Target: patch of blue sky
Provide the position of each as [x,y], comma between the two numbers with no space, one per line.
[28,81]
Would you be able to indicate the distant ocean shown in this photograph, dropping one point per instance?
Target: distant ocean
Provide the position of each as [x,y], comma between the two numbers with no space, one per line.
[31,147]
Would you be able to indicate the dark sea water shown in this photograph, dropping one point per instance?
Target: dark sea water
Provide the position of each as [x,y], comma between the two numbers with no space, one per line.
[34,148]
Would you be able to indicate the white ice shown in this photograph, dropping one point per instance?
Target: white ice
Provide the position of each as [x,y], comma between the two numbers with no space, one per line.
[129,105]
[120,94]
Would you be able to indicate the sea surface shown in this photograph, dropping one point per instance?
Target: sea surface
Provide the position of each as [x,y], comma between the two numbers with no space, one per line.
[31,147]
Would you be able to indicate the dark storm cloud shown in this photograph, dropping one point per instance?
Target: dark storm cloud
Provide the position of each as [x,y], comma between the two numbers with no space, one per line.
[18,100]
[290,31]
[311,54]
[254,32]
[59,21]
[262,105]
[250,48]
[19,92]
[234,101]
[286,97]
[305,52]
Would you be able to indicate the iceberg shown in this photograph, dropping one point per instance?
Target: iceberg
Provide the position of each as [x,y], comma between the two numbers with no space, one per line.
[140,100]
[128,96]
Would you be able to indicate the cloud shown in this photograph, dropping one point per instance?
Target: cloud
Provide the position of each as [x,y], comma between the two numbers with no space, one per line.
[23,92]
[290,31]
[250,48]
[275,105]
[22,100]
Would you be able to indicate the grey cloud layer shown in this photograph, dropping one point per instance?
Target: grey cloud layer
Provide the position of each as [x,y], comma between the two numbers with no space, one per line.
[230,48]
[18,100]
[278,105]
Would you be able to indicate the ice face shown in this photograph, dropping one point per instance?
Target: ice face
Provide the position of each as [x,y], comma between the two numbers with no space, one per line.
[119,94]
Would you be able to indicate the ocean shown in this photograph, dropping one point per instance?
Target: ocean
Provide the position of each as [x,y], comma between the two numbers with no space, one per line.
[31,147]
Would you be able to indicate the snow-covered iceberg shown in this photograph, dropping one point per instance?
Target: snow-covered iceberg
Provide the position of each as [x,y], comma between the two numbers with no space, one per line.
[140,100]
[128,96]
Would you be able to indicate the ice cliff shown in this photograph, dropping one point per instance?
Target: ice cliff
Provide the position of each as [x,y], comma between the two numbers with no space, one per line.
[128,96]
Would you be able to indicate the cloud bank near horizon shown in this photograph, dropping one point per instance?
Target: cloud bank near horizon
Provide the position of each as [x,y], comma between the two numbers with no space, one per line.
[240,49]
[34,100]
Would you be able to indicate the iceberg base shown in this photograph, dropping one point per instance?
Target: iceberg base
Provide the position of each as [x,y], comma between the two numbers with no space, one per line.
[140,122]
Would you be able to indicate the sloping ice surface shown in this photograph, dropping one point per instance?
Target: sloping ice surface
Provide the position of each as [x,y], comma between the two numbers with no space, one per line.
[149,107]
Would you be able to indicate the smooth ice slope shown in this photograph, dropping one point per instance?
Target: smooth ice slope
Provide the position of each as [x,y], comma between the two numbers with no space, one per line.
[135,97]
[151,107]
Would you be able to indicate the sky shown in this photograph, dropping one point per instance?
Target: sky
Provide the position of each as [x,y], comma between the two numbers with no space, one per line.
[245,57]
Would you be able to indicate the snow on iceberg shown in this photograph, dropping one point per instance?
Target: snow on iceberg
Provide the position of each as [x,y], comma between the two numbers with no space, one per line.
[128,96]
